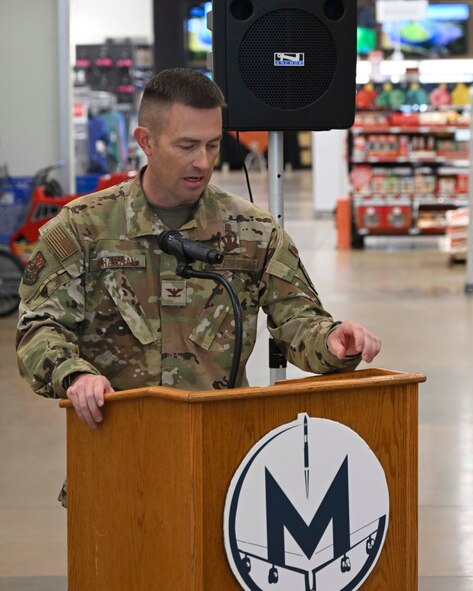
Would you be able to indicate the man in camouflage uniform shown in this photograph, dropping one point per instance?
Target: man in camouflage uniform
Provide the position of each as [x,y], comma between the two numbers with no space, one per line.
[102,307]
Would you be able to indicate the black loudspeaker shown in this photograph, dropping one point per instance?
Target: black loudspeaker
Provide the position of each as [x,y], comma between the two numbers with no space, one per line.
[285,64]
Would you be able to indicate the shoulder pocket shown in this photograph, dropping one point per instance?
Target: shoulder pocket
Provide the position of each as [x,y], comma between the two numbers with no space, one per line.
[44,277]
[285,260]
[34,298]
[287,265]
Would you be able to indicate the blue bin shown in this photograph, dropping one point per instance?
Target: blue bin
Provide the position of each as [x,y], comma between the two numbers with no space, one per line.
[87,183]
[15,193]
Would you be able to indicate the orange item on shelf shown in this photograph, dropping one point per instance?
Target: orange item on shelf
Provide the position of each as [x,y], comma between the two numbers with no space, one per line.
[365,98]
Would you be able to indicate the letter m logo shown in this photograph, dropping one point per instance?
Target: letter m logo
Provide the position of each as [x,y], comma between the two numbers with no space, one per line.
[281,513]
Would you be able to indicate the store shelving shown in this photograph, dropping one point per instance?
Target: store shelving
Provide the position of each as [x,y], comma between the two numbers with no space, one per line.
[407,169]
[121,68]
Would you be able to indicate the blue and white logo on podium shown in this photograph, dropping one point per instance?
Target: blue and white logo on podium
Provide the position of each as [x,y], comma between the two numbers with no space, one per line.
[307,510]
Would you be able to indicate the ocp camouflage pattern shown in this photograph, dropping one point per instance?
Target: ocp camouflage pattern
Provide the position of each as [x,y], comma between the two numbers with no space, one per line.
[105,299]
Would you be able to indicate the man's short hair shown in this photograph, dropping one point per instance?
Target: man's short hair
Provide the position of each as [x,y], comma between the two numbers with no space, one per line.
[177,85]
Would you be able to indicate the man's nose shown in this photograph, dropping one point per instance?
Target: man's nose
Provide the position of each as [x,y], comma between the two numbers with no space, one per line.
[202,160]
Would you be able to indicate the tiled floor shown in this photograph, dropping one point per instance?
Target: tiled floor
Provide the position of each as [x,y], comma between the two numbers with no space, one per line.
[403,289]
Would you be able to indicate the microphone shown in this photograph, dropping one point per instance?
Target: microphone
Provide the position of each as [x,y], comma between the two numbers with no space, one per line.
[173,242]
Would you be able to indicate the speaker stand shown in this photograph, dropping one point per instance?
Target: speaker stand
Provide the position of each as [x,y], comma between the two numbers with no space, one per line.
[277,362]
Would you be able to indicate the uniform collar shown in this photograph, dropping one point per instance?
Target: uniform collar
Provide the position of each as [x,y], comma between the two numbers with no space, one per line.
[142,220]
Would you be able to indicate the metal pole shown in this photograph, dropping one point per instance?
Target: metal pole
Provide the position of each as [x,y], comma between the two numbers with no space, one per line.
[469,245]
[277,362]
[276,175]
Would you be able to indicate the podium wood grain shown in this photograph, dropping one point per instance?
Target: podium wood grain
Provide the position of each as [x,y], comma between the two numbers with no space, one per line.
[147,489]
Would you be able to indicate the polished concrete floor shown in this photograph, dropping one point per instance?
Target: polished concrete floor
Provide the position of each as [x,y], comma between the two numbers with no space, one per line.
[404,290]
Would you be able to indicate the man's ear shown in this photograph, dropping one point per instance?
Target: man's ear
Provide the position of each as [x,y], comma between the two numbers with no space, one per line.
[144,139]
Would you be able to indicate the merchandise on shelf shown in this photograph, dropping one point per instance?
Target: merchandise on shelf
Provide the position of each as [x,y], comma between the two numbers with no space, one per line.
[457,230]
[408,166]
[388,96]
[119,67]
[424,181]
[384,218]
[109,79]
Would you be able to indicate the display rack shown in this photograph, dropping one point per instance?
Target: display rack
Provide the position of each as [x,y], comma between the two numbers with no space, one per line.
[121,67]
[407,169]
[108,81]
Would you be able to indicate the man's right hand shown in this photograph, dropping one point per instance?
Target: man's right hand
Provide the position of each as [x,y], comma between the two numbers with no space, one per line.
[87,396]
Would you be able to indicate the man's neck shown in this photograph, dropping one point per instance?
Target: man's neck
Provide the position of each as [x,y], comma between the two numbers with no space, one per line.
[158,199]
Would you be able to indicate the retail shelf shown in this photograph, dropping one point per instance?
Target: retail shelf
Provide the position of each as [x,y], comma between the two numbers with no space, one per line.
[409,160]
[422,129]
[405,178]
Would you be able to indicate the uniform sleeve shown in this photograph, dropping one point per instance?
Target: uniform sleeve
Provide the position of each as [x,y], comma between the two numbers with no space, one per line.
[297,319]
[52,310]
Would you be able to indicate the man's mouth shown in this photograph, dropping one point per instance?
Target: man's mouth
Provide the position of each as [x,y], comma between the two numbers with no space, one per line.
[194,179]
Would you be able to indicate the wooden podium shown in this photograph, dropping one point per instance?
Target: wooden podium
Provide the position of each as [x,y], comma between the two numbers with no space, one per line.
[147,488]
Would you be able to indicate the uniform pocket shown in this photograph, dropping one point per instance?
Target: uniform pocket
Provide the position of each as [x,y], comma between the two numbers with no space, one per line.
[217,309]
[119,288]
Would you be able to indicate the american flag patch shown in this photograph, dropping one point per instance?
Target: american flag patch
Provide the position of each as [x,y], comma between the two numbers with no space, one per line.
[60,243]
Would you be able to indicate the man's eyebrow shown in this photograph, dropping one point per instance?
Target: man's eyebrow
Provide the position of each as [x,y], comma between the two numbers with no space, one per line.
[195,140]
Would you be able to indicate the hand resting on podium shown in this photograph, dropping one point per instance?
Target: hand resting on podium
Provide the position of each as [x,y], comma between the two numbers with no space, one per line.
[87,396]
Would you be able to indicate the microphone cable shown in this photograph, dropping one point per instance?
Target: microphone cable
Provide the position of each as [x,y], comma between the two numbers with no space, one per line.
[244,167]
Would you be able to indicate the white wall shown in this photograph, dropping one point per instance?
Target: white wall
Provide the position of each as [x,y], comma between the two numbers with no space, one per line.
[29,96]
[93,21]
[329,168]
[32,128]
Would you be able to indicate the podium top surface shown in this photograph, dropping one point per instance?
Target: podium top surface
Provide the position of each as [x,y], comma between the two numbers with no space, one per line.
[366,378]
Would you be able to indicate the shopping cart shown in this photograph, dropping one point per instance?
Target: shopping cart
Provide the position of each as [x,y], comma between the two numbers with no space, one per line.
[32,203]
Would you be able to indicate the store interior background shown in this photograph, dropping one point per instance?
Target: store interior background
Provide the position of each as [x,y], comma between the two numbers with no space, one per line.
[404,286]
[38,85]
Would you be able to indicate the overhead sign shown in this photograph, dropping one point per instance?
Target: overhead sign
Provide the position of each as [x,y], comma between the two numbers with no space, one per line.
[400,10]
[308,509]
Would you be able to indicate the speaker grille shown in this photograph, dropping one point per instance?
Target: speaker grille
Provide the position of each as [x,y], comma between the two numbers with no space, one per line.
[288,31]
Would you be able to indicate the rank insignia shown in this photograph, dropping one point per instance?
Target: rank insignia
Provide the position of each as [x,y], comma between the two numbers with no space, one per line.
[33,268]
[173,293]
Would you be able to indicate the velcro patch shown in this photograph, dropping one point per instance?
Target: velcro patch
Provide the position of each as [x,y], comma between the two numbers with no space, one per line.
[233,263]
[60,243]
[33,268]
[173,293]
[230,240]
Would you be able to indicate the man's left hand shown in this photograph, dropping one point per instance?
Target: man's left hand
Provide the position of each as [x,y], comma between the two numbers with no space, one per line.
[351,338]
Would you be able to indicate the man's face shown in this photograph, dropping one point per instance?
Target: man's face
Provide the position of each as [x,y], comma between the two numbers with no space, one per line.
[182,154]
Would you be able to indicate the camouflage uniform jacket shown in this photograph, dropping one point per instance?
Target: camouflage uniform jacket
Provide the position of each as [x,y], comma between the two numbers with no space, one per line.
[99,296]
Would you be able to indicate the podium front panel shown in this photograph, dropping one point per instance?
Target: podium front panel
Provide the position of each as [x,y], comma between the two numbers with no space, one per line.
[147,489]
